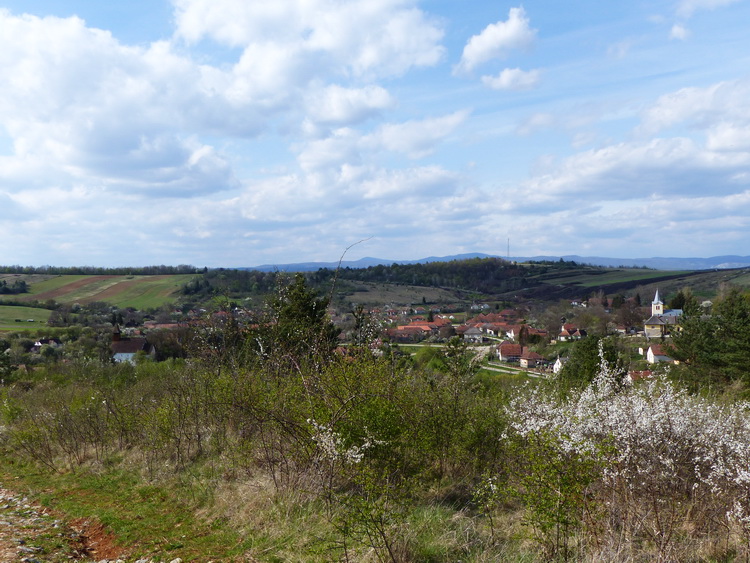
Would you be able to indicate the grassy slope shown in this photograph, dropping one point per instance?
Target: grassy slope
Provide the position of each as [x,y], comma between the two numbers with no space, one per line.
[140,292]
[9,314]
[147,520]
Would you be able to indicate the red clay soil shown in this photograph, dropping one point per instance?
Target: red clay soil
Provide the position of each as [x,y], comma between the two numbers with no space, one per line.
[94,539]
[27,530]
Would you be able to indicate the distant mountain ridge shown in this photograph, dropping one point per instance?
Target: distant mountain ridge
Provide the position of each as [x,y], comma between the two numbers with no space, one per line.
[657,263]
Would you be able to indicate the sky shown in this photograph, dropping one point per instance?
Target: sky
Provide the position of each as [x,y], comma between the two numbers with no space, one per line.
[231,133]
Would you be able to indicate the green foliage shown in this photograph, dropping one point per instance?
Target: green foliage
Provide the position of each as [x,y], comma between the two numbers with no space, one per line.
[584,362]
[18,286]
[715,347]
[297,328]
[553,485]
[7,368]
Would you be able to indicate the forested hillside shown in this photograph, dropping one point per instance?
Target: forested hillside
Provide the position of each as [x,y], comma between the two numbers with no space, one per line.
[479,276]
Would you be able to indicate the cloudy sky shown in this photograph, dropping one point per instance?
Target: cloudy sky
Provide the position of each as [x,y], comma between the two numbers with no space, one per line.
[244,132]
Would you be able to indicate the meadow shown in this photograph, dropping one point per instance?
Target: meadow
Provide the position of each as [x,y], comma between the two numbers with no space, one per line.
[19,318]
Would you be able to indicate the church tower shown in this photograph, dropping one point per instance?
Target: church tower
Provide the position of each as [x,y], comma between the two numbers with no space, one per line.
[657,306]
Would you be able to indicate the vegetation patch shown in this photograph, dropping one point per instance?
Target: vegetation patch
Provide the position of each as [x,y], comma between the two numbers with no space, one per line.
[18,318]
[120,515]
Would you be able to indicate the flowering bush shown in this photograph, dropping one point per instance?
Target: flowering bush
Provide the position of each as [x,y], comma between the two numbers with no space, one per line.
[672,464]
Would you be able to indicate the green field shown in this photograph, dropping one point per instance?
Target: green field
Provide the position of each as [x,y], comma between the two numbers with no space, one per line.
[140,292]
[22,318]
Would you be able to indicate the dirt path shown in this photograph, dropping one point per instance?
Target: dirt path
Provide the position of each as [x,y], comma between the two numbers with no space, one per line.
[31,533]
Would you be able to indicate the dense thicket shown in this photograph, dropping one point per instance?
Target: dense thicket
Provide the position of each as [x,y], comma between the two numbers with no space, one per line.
[18,286]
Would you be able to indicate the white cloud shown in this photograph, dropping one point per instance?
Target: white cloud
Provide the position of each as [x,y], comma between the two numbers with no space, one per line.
[417,139]
[513,79]
[687,8]
[536,122]
[497,40]
[637,170]
[620,49]
[679,31]
[414,139]
[729,137]
[351,37]
[700,108]
[336,105]
[106,113]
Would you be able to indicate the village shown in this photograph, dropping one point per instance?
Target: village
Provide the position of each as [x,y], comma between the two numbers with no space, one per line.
[503,336]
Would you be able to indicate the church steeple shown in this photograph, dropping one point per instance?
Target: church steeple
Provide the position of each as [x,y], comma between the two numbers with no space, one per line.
[657,306]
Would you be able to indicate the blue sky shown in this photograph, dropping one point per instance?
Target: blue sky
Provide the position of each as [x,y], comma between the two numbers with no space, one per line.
[236,132]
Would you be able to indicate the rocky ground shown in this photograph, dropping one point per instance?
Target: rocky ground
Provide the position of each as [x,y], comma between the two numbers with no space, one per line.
[31,533]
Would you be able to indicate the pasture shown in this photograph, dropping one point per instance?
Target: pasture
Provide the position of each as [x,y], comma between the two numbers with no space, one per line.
[22,318]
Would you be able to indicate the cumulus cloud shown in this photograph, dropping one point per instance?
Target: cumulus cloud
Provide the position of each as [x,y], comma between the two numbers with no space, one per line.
[513,79]
[414,139]
[725,136]
[356,37]
[337,105]
[96,109]
[497,40]
[630,171]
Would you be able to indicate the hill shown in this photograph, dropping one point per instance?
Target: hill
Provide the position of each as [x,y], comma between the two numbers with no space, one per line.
[137,291]
[454,281]
[658,263]
[471,279]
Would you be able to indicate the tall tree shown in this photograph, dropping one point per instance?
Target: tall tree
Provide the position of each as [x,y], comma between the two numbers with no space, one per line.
[716,346]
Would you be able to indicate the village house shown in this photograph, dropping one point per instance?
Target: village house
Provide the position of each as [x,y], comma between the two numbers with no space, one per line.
[570,332]
[529,358]
[473,335]
[655,354]
[124,350]
[509,351]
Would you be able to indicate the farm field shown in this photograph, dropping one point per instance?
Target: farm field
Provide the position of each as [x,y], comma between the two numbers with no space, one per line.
[140,292]
[607,277]
[20,318]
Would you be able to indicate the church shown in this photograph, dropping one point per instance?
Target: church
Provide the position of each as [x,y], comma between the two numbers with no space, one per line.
[662,321]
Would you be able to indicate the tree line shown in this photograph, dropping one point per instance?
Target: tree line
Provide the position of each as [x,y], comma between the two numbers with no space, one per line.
[100,271]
